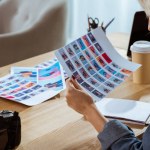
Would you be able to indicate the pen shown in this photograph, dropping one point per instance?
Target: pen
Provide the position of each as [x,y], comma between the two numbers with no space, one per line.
[104,28]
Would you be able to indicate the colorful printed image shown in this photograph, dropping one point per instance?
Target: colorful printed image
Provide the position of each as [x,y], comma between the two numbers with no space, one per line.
[89,69]
[4,90]
[87,86]
[1,82]
[51,77]
[99,48]
[9,97]
[99,78]
[109,69]
[14,86]
[103,89]
[10,78]
[86,40]
[55,86]
[115,66]
[50,72]
[29,74]
[95,65]
[8,84]
[33,94]
[98,94]
[16,90]
[25,97]
[93,82]
[70,66]
[23,82]
[69,51]
[101,61]
[27,91]
[88,55]
[82,58]
[75,47]
[19,95]
[92,38]
[36,87]
[76,62]
[93,50]
[81,44]
[121,76]
[105,56]
[110,84]
[105,74]
[78,77]
[116,80]
[16,80]
[42,90]
[84,73]
[128,72]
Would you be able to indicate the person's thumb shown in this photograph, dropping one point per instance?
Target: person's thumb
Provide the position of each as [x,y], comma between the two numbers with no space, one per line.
[75,84]
[69,85]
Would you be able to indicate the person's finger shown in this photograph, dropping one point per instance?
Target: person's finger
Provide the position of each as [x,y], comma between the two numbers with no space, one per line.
[75,84]
[69,85]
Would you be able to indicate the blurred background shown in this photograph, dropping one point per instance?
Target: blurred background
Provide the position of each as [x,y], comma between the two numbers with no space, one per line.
[29,28]
[104,10]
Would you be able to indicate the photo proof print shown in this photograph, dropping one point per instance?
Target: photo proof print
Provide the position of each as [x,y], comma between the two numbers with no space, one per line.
[20,85]
[84,73]
[101,61]
[95,64]
[82,58]
[99,48]
[86,40]
[88,55]
[75,47]
[81,44]
[63,54]
[29,74]
[89,69]
[69,50]
[76,62]
[78,77]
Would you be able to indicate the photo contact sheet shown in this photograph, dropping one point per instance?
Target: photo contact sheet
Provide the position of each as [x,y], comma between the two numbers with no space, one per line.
[94,63]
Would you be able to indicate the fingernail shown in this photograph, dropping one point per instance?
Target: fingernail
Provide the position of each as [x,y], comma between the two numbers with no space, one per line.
[73,77]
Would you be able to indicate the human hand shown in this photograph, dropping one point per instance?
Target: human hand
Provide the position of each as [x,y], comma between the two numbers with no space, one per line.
[77,99]
[81,102]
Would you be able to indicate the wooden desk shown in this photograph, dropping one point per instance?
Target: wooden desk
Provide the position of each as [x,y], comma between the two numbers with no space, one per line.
[52,125]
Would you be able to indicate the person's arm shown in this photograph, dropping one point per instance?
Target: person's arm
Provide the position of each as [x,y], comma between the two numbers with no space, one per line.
[83,103]
[113,135]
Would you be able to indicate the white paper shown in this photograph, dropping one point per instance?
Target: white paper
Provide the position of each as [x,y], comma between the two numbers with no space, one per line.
[126,110]
[95,64]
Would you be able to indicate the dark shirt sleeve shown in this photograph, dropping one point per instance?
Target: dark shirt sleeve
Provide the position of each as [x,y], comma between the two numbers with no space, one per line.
[117,136]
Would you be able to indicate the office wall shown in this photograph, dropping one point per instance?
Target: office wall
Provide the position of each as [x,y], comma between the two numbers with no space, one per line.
[105,10]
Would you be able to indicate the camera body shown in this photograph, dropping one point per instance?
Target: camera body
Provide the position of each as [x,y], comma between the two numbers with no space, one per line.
[10,130]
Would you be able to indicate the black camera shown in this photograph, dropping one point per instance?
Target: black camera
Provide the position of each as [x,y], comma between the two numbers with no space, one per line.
[10,130]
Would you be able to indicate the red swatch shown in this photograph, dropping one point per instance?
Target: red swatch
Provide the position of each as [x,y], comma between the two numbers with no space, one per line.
[105,56]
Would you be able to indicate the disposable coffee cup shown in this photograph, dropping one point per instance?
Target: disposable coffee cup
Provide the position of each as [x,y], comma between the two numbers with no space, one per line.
[141,55]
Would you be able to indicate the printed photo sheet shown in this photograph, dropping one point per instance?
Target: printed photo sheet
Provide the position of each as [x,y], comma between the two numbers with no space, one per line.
[26,91]
[50,63]
[26,73]
[95,64]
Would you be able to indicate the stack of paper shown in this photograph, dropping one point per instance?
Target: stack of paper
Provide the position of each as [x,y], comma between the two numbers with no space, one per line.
[31,86]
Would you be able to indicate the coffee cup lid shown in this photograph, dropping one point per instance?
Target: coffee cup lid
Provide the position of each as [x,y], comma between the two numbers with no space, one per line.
[141,47]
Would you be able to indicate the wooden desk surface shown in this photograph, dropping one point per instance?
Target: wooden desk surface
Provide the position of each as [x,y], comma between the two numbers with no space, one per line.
[52,125]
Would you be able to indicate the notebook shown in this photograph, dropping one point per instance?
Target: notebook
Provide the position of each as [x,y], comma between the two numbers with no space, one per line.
[125,110]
